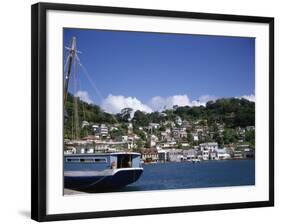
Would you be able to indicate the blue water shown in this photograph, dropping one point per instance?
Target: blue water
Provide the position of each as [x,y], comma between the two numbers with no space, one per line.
[163,176]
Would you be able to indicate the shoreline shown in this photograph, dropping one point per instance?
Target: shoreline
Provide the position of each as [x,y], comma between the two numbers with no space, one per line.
[190,161]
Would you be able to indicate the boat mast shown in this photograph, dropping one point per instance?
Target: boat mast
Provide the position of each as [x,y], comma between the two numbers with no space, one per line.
[71,57]
[72,62]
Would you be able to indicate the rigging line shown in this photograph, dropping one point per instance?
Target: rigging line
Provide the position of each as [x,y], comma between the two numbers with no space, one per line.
[72,125]
[76,115]
[72,115]
[83,108]
[84,117]
[93,84]
[89,78]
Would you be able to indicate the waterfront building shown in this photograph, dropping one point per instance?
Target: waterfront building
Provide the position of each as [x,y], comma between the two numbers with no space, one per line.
[199,154]
[190,154]
[79,146]
[205,154]
[149,155]
[163,155]
[209,145]
[208,150]
[101,147]
[69,150]
[242,146]
[175,155]
[249,153]
[230,151]
[109,146]
[238,154]
[222,154]
[212,155]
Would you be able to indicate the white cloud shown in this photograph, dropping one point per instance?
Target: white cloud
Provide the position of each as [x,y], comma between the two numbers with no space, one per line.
[159,103]
[202,100]
[84,96]
[251,97]
[114,104]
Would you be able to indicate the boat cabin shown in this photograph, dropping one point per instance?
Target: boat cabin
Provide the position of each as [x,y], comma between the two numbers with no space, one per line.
[101,161]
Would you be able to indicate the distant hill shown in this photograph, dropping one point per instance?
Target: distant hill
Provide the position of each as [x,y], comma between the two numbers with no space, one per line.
[232,112]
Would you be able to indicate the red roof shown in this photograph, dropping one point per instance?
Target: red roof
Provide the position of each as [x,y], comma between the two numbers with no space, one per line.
[90,137]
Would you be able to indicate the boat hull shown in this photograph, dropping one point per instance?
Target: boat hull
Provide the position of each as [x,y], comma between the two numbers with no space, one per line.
[87,181]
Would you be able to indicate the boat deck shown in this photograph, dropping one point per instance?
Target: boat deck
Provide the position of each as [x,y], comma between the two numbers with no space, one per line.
[107,172]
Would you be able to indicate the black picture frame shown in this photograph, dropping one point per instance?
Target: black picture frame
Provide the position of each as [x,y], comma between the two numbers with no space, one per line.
[39,122]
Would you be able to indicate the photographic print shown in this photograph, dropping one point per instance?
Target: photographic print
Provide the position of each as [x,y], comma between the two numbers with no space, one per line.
[150,111]
[173,111]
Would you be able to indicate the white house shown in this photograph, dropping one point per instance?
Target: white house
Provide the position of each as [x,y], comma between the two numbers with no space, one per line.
[209,145]
[153,140]
[178,120]
[222,154]
[190,154]
[205,154]
[169,144]
[195,137]
[102,131]
[175,155]
[208,150]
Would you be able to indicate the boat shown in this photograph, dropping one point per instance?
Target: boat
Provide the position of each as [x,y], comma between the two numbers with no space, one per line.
[196,160]
[101,171]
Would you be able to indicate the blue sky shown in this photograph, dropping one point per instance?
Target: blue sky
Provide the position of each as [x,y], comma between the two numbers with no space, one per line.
[151,70]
